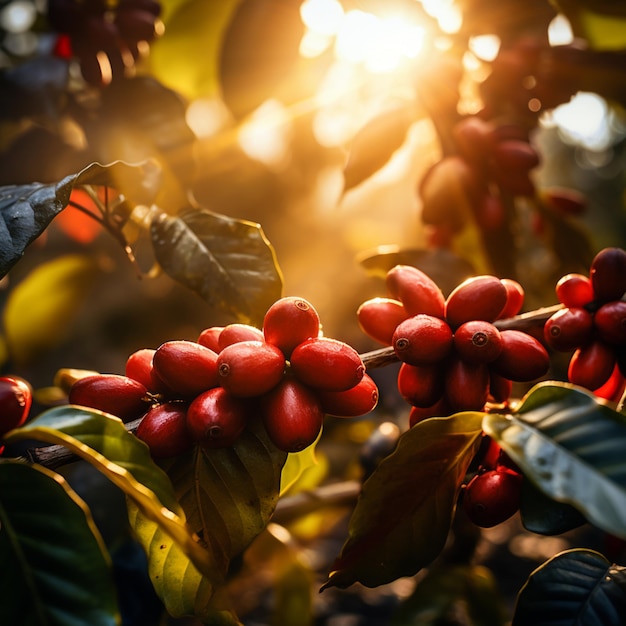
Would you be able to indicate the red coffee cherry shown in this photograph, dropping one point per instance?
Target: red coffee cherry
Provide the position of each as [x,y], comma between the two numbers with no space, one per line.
[16,398]
[613,389]
[235,333]
[568,328]
[112,393]
[608,274]
[327,364]
[422,339]
[489,212]
[500,388]
[379,318]
[514,155]
[474,138]
[209,338]
[565,200]
[250,368]
[292,415]
[466,385]
[358,400]
[477,342]
[421,385]
[522,359]
[216,419]
[514,298]
[610,322]
[591,365]
[441,408]
[574,290]
[492,497]
[289,322]
[477,298]
[163,428]
[186,367]
[417,291]
[139,367]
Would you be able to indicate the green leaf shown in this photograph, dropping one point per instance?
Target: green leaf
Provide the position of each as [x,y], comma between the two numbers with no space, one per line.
[228,262]
[56,568]
[26,210]
[403,515]
[576,587]
[571,446]
[40,309]
[103,441]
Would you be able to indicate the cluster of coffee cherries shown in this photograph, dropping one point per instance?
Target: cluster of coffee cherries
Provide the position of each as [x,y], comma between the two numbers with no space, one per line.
[16,398]
[205,392]
[592,325]
[453,356]
[107,37]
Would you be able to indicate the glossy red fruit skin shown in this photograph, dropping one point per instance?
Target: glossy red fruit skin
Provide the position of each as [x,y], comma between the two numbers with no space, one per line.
[500,388]
[164,430]
[591,365]
[236,333]
[421,385]
[565,200]
[477,298]
[568,328]
[328,364]
[250,368]
[139,367]
[514,298]
[473,137]
[523,358]
[416,290]
[209,338]
[422,340]
[610,322]
[466,385]
[216,419]
[186,367]
[608,274]
[477,342]
[574,290]
[292,415]
[16,398]
[613,389]
[290,321]
[112,393]
[358,400]
[378,318]
[492,497]
[418,414]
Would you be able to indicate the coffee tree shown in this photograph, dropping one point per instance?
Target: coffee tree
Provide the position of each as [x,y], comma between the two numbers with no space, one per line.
[236,428]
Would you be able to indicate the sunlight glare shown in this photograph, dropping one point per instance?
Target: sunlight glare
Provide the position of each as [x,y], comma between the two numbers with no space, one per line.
[322,17]
[448,15]
[18,17]
[206,116]
[357,31]
[485,47]
[560,31]
[313,44]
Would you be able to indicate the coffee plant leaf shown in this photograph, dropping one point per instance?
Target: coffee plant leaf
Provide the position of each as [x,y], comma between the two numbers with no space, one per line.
[376,142]
[60,571]
[39,310]
[27,210]
[443,591]
[103,441]
[577,586]
[403,514]
[570,445]
[227,261]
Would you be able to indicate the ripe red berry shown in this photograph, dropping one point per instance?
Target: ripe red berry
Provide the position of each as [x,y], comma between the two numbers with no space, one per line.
[209,338]
[250,368]
[163,428]
[112,393]
[416,290]
[500,388]
[574,290]
[477,342]
[292,415]
[591,365]
[608,274]
[16,397]
[289,322]
[417,414]
[565,200]
[186,367]
[492,497]
[613,389]
[514,298]
[358,400]
[139,367]
[568,328]
[235,333]
[421,385]
[216,419]
[379,317]
[422,339]
[477,298]
[327,364]
[523,358]
[610,322]
[466,385]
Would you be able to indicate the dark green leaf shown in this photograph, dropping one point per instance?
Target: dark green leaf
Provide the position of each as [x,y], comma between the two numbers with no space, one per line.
[403,515]
[571,446]
[574,588]
[26,210]
[228,262]
[56,569]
